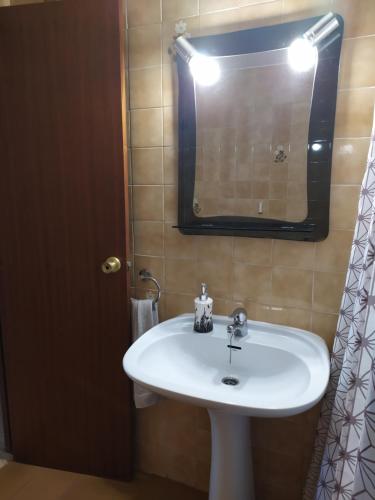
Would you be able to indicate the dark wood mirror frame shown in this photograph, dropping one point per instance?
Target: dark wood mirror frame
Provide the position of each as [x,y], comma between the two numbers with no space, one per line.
[321,129]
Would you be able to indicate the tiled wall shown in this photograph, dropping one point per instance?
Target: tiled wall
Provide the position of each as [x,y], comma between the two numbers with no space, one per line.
[293,283]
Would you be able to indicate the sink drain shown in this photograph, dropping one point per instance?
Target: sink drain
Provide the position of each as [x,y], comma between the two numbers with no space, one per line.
[230,381]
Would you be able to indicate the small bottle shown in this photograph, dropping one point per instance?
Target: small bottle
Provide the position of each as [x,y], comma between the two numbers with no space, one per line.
[203,311]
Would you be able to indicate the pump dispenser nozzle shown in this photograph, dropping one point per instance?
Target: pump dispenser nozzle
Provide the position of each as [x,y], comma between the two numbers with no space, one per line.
[204,292]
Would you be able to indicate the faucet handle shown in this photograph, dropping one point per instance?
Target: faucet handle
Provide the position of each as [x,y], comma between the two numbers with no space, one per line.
[239,316]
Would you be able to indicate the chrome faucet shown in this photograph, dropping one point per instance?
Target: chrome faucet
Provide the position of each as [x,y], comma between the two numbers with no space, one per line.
[239,326]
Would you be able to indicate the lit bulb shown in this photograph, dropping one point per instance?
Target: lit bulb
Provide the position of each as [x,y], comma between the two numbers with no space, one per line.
[302,55]
[205,70]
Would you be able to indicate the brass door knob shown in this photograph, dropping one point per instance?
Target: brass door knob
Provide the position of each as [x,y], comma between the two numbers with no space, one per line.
[111,265]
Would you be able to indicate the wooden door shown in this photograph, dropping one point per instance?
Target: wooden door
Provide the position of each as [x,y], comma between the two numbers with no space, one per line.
[63,192]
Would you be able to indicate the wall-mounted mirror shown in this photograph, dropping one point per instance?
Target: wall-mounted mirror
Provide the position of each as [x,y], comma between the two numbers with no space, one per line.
[255,146]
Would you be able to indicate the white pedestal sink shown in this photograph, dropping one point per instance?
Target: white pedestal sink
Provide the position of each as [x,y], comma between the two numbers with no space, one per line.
[277,371]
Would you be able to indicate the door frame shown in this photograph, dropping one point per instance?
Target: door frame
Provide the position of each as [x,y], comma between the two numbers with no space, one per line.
[4,399]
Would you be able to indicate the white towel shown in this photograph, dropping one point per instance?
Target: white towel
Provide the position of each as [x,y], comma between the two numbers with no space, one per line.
[144,317]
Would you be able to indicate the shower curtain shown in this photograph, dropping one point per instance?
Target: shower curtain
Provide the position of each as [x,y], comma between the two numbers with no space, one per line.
[343,465]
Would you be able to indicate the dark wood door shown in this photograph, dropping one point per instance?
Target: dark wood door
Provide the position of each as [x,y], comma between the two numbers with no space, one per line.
[63,191]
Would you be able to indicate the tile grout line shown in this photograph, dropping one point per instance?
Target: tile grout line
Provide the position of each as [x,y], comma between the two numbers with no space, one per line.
[164,272]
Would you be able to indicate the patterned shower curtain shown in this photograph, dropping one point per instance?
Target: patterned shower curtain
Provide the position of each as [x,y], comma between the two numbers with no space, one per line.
[343,466]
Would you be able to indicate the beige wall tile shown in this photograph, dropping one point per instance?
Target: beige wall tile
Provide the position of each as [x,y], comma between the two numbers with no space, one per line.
[219,22]
[297,254]
[177,304]
[260,189]
[217,273]
[278,190]
[148,203]
[305,8]
[144,46]
[147,165]
[142,12]
[355,70]
[170,204]
[145,88]
[325,326]
[146,127]
[177,9]
[280,315]
[279,172]
[251,282]
[181,275]
[292,287]
[284,470]
[354,113]
[170,165]
[328,289]
[253,250]
[349,160]
[274,435]
[170,126]
[148,238]
[333,253]
[178,245]
[359,16]
[182,435]
[261,14]
[214,247]
[212,5]
[244,3]
[277,209]
[344,203]
[202,476]
[225,307]
[170,85]
[148,432]
[131,239]
[181,465]
[272,490]
[297,191]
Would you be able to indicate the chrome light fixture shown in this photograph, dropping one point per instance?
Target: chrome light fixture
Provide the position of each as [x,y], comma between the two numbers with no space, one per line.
[204,69]
[303,52]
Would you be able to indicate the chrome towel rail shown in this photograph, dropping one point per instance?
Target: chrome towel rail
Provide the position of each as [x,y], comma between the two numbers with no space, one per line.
[147,276]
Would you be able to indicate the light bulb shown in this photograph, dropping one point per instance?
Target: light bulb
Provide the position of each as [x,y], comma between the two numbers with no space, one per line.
[302,55]
[205,70]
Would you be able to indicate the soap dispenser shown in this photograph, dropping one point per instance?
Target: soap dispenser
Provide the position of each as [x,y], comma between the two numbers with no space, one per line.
[203,311]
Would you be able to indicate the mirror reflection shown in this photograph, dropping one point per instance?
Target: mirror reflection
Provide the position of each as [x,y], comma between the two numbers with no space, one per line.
[252,131]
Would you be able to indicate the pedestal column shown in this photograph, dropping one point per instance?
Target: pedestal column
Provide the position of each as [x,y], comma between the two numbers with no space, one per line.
[231,460]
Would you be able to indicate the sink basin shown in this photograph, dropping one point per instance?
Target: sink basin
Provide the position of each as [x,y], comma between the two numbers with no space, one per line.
[280,370]
[275,371]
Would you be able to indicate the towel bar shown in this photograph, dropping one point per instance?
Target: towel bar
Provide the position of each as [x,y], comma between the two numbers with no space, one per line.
[147,276]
